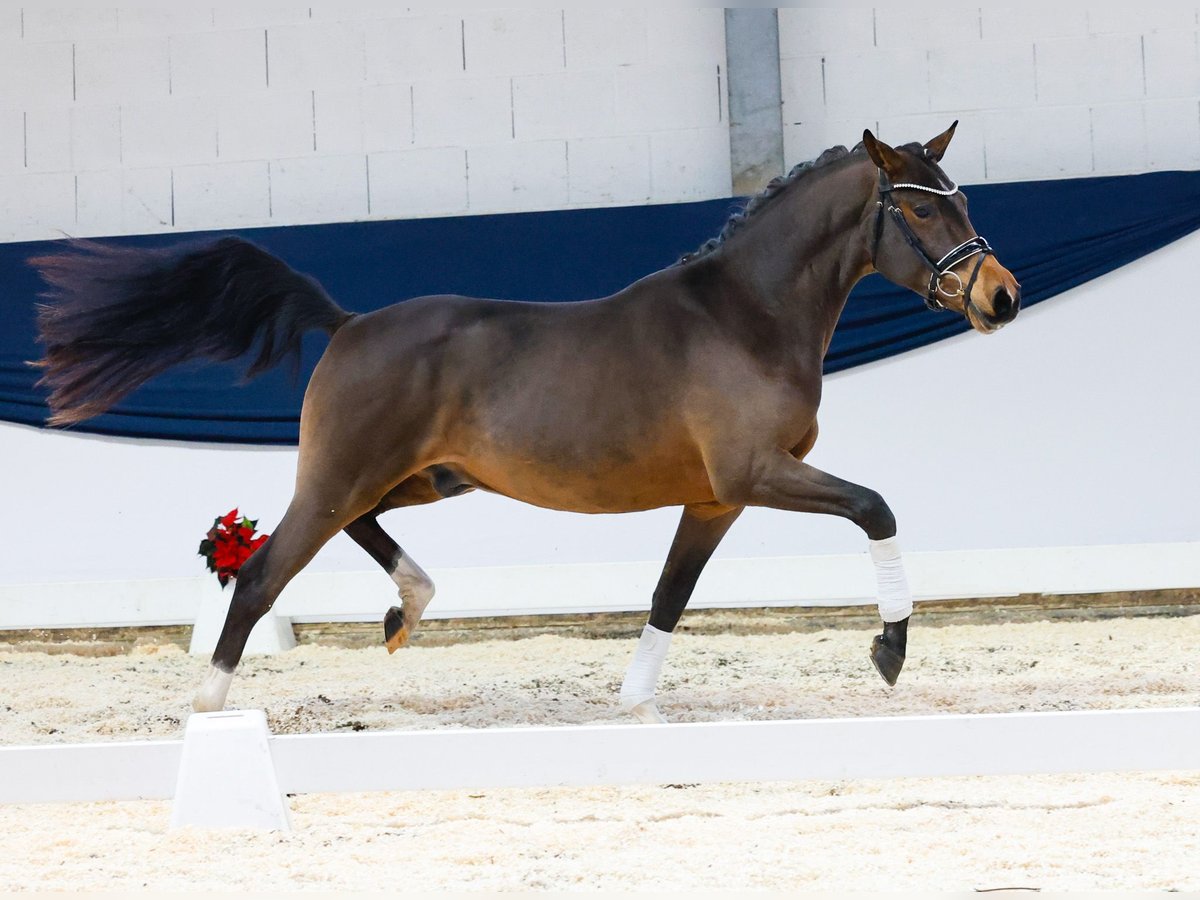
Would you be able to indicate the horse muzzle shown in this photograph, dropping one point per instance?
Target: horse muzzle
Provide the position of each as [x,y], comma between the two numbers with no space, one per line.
[1000,309]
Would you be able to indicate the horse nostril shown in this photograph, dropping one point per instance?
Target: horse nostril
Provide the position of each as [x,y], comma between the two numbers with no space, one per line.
[1003,304]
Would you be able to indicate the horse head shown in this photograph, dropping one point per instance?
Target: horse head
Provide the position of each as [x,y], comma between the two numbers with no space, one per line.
[923,239]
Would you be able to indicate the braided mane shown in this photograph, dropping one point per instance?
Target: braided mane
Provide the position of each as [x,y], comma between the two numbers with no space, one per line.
[773,189]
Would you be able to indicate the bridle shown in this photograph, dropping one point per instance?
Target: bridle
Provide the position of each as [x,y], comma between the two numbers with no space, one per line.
[939,268]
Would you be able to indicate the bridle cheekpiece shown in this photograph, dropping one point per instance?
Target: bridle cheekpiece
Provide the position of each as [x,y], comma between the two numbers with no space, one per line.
[938,268]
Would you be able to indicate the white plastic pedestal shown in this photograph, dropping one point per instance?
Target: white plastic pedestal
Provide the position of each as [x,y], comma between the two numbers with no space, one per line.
[226,774]
[272,634]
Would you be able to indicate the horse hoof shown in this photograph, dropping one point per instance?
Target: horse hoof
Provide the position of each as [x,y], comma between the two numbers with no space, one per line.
[395,632]
[887,661]
[647,713]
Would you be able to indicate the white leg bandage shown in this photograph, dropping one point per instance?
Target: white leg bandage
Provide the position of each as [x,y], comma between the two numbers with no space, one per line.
[895,599]
[641,678]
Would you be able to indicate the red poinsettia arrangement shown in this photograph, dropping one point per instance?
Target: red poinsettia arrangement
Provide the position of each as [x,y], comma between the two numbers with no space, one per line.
[229,543]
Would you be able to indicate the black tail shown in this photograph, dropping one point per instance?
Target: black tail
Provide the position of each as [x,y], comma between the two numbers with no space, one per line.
[115,317]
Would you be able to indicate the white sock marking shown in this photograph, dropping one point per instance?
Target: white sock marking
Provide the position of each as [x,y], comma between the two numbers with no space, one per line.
[213,690]
[416,588]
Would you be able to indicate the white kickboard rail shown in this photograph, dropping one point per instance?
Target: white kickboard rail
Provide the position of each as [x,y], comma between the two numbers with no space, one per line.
[573,756]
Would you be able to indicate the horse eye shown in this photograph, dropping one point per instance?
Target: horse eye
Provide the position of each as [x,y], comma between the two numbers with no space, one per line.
[922,212]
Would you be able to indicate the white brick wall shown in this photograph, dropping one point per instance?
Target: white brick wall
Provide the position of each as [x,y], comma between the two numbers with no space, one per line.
[180,117]
[1063,90]
[177,117]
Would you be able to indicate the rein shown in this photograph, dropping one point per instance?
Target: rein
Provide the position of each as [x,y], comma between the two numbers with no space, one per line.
[939,268]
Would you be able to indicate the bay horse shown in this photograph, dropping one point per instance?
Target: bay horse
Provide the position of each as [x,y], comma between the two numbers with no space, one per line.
[696,386]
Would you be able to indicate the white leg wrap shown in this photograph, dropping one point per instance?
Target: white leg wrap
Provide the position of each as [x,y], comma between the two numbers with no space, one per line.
[415,587]
[641,678]
[213,690]
[895,599]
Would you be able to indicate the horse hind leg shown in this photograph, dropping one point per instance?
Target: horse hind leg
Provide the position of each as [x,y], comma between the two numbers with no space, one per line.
[304,529]
[415,587]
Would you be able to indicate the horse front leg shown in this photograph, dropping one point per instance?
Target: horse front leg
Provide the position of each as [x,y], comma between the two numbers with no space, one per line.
[778,480]
[700,530]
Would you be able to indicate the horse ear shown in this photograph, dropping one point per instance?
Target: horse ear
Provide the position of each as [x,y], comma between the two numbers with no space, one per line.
[881,154]
[936,148]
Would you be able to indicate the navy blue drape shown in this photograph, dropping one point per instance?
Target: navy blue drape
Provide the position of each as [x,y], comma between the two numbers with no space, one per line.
[1053,235]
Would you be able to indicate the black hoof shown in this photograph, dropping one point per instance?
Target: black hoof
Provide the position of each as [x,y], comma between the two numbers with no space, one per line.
[395,635]
[888,662]
[887,650]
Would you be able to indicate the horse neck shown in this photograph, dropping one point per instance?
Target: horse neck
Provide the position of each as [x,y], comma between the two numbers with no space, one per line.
[797,260]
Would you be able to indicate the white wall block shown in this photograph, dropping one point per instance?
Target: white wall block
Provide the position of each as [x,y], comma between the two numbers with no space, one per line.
[32,74]
[981,75]
[810,30]
[48,140]
[126,201]
[1172,134]
[175,131]
[218,61]
[355,10]
[414,48]
[329,188]
[1172,63]
[659,98]
[67,23]
[37,206]
[12,141]
[1118,137]
[265,125]
[608,171]
[413,183]
[309,56]
[121,69]
[387,117]
[1140,17]
[11,24]
[513,41]
[808,141]
[802,87]
[964,160]
[95,137]
[338,120]
[224,195]
[685,37]
[183,18]
[462,111]
[564,105]
[605,37]
[258,14]
[517,176]
[1050,21]
[1084,70]
[1038,143]
[690,165]
[878,82]
[937,26]
[98,203]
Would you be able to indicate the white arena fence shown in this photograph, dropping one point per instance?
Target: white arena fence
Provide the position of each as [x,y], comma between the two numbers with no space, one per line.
[839,580]
[229,771]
